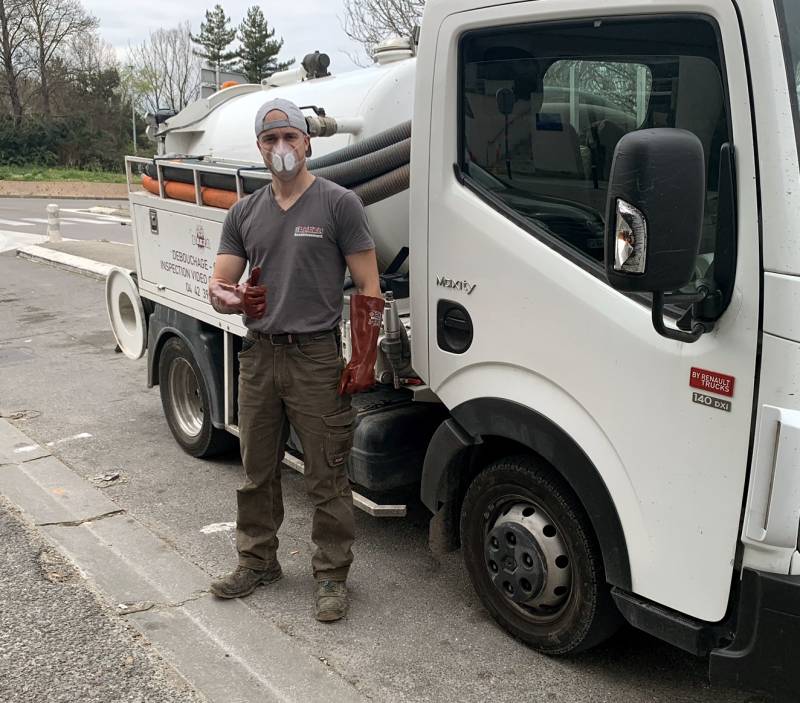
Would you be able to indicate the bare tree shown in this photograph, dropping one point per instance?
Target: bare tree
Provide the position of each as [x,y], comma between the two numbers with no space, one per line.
[50,24]
[163,71]
[12,57]
[87,53]
[369,22]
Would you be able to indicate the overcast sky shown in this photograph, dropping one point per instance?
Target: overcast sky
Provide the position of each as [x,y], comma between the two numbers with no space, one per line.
[305,25]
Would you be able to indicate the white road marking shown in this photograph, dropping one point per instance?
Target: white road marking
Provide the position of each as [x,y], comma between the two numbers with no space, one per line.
[15,223]
[27,448]
[82,435]
[218,527]
[114,218]
[104,216]
[82,220]
[37,220]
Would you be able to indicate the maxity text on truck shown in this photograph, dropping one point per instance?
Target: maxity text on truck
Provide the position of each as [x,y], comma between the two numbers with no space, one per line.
[591,361]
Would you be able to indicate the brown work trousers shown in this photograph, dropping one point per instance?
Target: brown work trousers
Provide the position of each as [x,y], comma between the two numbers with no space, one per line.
[279,385]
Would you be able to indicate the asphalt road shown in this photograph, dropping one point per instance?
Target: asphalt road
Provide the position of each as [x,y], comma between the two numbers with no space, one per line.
[416,631]
[59,643]
[29,216]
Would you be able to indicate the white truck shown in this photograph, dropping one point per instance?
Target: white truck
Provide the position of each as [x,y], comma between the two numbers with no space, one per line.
[592,353]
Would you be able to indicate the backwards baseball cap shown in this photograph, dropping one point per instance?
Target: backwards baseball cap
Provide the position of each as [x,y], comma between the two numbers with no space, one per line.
[294,118]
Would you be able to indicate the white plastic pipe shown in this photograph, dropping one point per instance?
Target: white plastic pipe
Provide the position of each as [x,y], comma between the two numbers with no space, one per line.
[53,223]
[293,75]
[349,125]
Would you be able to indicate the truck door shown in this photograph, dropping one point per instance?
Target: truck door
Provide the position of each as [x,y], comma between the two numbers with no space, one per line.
[528,103]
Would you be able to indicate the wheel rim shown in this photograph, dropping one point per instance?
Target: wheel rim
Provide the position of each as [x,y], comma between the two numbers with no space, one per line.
[187,400]
[527,559]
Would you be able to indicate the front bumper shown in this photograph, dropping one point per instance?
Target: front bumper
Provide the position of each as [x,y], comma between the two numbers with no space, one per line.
[765,652]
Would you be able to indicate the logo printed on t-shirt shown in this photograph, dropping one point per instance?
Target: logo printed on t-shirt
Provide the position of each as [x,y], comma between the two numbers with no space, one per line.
[308,231]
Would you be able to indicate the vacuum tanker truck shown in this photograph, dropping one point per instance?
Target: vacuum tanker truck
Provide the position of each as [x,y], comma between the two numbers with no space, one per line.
[587,225]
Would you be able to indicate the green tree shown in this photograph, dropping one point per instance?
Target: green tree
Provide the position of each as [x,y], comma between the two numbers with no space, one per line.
[259,51]
[214,38]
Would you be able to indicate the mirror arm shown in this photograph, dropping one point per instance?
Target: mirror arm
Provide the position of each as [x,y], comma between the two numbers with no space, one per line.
[698,328]
[687,298]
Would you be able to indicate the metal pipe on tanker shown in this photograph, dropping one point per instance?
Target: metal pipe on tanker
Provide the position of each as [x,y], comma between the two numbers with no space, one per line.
[324,126]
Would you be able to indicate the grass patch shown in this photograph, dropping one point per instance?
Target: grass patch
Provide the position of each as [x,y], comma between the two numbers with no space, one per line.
[44,173]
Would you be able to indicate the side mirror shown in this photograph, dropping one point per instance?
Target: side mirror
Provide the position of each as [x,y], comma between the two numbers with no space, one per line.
[654,217]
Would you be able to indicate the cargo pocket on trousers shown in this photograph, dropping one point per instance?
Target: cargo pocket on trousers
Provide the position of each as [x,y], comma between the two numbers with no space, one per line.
[338,442]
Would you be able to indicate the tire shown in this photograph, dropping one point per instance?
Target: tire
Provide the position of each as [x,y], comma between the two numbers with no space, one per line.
[533,559]
[185,399]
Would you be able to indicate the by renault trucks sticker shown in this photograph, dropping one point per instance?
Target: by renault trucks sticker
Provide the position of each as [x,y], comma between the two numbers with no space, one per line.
[712,382]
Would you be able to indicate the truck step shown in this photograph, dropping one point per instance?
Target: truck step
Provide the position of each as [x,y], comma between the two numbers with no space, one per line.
[361,502]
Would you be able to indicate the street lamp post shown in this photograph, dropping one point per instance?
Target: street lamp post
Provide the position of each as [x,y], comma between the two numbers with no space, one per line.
[133,124]
[133,108]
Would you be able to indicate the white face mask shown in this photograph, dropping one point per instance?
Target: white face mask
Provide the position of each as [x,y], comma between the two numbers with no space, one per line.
[283,161]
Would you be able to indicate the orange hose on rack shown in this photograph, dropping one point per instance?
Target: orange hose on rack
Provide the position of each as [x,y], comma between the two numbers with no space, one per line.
[213,197]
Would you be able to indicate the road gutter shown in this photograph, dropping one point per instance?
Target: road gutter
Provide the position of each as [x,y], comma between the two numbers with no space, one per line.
[223,648]
[67,262]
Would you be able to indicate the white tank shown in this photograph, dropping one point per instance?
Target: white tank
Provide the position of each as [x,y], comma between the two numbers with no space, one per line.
[380,96]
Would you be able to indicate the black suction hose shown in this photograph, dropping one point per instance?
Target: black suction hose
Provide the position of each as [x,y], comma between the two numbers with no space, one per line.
[384,186]
[369,166]
[377,141]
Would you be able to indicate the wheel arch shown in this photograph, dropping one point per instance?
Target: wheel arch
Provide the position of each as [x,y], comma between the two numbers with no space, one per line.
[204,342]
[482,429]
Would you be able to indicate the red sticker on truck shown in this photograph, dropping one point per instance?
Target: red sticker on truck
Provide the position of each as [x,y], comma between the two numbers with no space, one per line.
[712,381]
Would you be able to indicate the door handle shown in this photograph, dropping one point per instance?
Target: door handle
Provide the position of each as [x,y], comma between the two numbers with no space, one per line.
[456,322]
[453,327]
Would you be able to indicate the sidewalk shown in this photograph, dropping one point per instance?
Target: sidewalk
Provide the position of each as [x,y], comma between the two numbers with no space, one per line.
[87,651]
[221,648]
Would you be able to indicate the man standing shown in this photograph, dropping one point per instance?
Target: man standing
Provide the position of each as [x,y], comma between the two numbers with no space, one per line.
[298,234]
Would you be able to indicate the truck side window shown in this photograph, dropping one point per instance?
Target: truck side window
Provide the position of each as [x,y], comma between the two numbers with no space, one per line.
[544,106]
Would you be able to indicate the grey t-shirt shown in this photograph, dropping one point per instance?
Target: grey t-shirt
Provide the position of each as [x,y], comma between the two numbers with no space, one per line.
[301,252]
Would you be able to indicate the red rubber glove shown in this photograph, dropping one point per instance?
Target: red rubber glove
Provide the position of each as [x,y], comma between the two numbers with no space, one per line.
[366,314]
[254,296]
[248,298]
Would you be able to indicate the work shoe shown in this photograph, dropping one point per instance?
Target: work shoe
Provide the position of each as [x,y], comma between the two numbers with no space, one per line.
[244,581]
[331,600]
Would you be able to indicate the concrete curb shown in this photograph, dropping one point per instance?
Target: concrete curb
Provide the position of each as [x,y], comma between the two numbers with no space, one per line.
[222,648]
[67,262]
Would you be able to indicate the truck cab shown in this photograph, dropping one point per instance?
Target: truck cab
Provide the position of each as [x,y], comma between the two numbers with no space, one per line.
[648,411]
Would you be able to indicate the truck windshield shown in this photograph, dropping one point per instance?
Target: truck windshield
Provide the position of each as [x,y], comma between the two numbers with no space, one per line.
[789,16]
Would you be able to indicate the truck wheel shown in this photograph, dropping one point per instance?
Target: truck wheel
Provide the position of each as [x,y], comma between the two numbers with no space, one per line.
[185,399]
[533,559]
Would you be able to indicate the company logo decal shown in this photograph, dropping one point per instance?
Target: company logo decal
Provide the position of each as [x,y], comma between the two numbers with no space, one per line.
[199,238]
[309,231]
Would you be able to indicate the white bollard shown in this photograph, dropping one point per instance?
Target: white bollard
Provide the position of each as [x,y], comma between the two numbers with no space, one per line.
[53,223]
